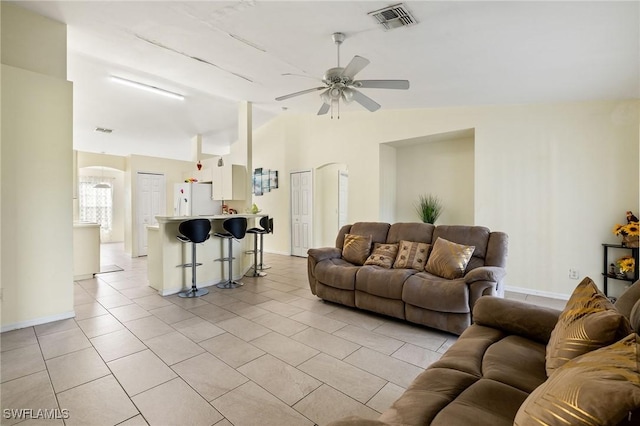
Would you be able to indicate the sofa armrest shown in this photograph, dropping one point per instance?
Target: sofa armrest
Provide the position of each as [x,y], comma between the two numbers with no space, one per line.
[317,255]
[324,253]
[516,317]
[485,273]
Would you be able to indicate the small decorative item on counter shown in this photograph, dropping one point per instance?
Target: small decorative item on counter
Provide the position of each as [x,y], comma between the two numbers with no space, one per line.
[191,180]
[253,209]
[630,232]
[199,165]
[233,211]
[225,209]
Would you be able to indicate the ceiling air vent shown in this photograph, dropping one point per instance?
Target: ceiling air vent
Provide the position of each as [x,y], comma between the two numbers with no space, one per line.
[395,16]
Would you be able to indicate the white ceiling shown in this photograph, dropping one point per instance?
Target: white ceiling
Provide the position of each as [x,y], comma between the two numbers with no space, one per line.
[459,53]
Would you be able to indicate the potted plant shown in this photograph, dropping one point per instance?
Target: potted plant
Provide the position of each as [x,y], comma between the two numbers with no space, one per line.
[630,232]
[429,208]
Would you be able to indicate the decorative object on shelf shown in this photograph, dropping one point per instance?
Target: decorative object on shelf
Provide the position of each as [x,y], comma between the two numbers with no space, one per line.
[429,207]
[630,232]
[199,165]
[264,180]
[191,180]
[626,264]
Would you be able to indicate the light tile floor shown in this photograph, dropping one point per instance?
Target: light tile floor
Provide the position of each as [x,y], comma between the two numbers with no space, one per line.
[268,353]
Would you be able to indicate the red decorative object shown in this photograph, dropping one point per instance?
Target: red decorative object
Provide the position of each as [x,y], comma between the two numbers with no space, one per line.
[199,165]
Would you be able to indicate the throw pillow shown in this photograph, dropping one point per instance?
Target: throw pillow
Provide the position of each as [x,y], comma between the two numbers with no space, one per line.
[411,255]
[597,388]
[356,248]
[383,255]
[448,259]
[589,321]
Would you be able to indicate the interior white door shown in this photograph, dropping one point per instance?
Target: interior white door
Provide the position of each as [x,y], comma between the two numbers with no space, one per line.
[150,202]
[301,212]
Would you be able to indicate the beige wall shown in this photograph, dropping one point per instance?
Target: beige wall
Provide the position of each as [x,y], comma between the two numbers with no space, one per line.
[441,168]
[36,171]
[554,177]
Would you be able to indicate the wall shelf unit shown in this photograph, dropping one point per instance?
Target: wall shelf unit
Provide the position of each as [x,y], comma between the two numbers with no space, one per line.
[606,262]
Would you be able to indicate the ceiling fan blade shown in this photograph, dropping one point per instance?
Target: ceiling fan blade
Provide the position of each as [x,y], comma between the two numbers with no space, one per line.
[290,74]
[382,84]
[355,66]
[324,109]
[291,95]
[365,101]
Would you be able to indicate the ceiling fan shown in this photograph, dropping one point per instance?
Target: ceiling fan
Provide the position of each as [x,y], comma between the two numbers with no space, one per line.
[340,84]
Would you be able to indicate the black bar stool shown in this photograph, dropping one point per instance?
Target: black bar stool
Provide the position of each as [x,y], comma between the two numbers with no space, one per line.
[264,223]
[261,265]
[236,228]
[194,231]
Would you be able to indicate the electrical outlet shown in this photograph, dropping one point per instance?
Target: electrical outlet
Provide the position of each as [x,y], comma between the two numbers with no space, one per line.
[573,274]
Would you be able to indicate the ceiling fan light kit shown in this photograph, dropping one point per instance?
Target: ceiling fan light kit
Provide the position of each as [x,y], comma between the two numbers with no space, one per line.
[340,84]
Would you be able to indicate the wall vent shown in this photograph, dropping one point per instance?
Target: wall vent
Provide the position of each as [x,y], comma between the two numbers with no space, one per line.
[103,130]
[392,17]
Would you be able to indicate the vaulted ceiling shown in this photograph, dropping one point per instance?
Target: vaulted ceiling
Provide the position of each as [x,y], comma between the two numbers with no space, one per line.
[219,53]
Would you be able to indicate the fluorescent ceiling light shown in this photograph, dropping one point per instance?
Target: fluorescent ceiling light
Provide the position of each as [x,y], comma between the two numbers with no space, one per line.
[147,87]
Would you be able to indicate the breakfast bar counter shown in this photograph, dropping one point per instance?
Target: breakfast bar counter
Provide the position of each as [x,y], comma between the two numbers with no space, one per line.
[165,253]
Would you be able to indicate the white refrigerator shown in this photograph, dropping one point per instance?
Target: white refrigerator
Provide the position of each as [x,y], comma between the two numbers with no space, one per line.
[194,199]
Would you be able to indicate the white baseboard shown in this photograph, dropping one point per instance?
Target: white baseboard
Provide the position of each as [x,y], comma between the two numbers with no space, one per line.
[282,253]
[529,291]
[37,321]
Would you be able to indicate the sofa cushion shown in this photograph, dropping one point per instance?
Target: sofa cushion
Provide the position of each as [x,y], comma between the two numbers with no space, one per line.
[337,273]
[429,393]
[517,362]
[477,236]
[437,294]
[449,259]
[589,321]
[377,230]
[382,282]
[411,231]
[356,248]
[383,255]
[583,392]
[484,403]
[411,255]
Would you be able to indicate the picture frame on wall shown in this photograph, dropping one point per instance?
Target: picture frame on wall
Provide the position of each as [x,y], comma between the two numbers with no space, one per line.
[257,182]
[273,179]
[265,180]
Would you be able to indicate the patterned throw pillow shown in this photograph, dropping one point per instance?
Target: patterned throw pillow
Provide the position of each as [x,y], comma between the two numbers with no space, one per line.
[356,248]
[598,388]
[589,321]
[449,260]
[383,255]
[411,255]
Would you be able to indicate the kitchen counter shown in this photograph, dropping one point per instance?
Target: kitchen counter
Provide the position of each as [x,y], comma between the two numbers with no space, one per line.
[166,252]
[86,250]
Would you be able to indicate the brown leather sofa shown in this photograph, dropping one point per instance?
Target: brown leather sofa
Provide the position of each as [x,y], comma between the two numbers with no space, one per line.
[485,377]
[418,297]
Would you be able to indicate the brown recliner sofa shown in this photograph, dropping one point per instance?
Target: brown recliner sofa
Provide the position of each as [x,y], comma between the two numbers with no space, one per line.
[496,374]
[418,297]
